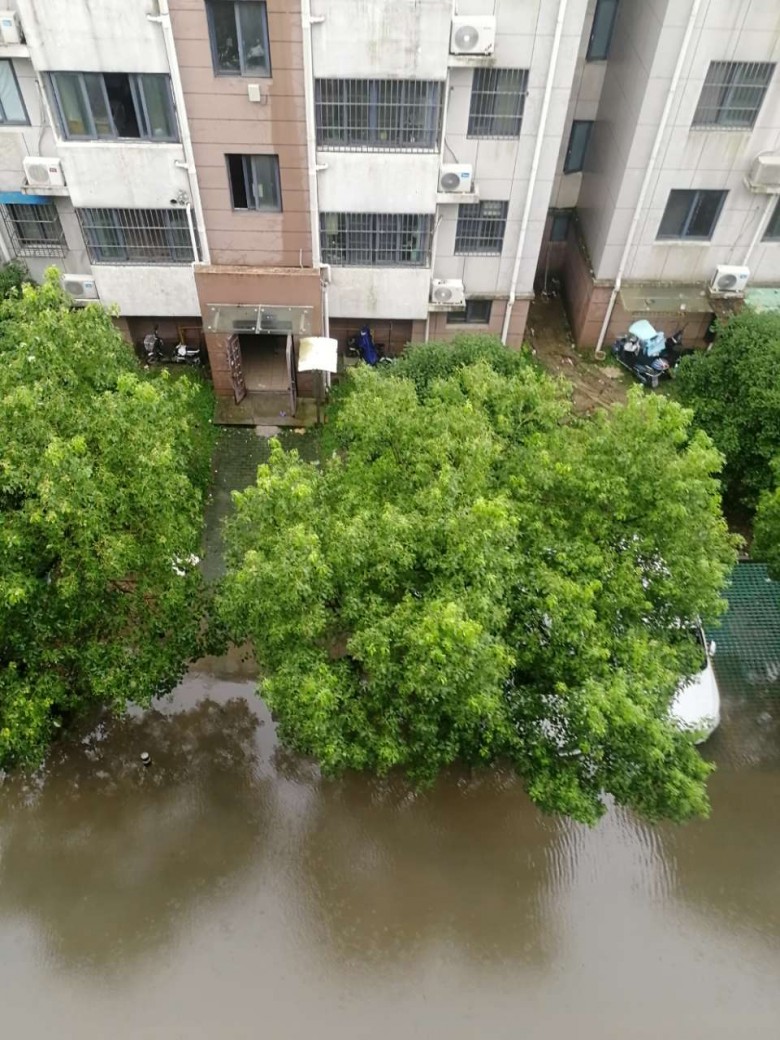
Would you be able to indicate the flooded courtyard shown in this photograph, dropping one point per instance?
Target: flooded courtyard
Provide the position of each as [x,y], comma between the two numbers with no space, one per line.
[227,891]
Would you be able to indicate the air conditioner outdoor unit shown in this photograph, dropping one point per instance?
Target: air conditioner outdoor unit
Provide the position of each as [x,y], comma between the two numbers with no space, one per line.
[43,173]
[764,174]
[729,278]
[473,35]
[80,286]
[10,28]
[448,291]
[456,177]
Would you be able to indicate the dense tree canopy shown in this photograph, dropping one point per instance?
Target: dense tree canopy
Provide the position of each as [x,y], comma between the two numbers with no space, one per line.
[473,575]
[102,476]
[734,390]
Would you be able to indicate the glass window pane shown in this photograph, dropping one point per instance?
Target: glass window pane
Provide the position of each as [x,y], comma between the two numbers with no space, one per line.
[159,108]
[10,98]
[601,33]
[103,237]
[72,106]
[676,213]
[264,182]
[93,84]
[254,37]
[578,145]
[773,227]
[224,36]
[704,214]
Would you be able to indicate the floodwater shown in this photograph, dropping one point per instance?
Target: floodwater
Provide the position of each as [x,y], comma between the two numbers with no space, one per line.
[227,892]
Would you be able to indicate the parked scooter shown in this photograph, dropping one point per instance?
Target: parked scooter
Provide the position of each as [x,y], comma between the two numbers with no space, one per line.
[157,351]
[648,354]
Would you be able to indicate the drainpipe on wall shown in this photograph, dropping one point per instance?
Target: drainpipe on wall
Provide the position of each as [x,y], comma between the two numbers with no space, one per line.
[763,221]
[649,173]
[163,19]
[548,86]
[307,21]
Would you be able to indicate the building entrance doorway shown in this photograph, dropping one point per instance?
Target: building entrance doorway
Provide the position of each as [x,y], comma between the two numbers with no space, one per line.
[264,364]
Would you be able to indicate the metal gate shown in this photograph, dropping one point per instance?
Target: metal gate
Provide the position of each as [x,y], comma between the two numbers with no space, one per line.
[292,376]
[233,351]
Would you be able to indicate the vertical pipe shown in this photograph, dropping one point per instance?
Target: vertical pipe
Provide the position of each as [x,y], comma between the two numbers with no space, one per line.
[164,20]
[548,86]
[763,220]
[649,172]
[193,236]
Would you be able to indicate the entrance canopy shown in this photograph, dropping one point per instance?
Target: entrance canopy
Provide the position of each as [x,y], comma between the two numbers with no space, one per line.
[258,318]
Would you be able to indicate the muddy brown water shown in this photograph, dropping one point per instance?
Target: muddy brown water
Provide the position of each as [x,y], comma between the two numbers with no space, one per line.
[227,892]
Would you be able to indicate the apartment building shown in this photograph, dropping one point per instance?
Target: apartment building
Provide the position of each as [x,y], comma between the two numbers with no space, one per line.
[94,177]
[257,171]
[672,161]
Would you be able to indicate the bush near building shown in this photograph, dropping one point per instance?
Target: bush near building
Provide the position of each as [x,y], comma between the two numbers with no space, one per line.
[474,576]
[103,471]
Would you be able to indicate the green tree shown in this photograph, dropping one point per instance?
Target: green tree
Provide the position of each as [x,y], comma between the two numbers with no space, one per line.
[102,476]
[766,542]
[13,276]
[734,391]
[474,576]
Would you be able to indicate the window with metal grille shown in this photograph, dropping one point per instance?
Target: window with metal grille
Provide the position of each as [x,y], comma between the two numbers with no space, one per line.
[601,31]
[733,93]
[254,182]
[239,37]
[497,102]
[34,230]
[12,108]
[114,104]
[376,114]
[772,233]
[477,312]
[691,214]
[578,145]
[481,228]
[376,239]
[137,236]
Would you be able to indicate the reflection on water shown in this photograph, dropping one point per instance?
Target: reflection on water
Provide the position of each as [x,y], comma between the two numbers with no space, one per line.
[225,891]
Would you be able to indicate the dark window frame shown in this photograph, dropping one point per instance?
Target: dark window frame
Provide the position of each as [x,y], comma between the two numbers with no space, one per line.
[87,98]
[376,239]
[698,196]
[467,316]
[242,70]
[487,91]
[479,231]
[4,120]
[43,219]
[724,80]
[249,165]
[772,230]
[598,44]
[560,218]
[137,237]
[372,115]
[577,148]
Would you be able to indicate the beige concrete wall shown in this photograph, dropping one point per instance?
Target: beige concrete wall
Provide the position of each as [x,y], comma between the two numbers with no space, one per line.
[439,329]
[223,120]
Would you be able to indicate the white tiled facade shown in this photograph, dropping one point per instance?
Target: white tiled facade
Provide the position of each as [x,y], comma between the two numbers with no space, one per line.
[622,92]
